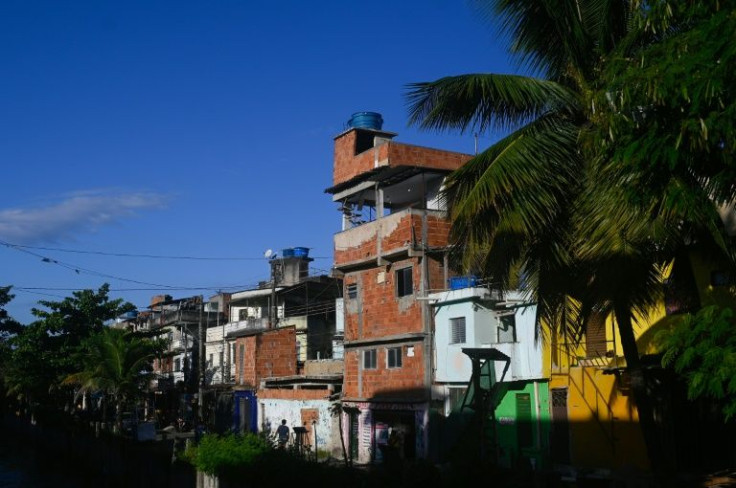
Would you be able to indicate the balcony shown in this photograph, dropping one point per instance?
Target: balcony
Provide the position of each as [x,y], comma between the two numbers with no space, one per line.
[390,237]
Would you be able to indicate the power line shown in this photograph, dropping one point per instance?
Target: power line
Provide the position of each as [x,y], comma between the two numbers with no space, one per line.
[80,269]
[147,256]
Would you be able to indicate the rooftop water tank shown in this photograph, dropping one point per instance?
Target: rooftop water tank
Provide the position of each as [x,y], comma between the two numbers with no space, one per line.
[460,282]
[301,252]
[287,253]
[366,120]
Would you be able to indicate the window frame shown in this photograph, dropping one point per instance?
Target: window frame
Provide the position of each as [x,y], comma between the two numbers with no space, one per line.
[373,362]
[401,276]
[453,322]
[500,330]
[398,354]
[351,291]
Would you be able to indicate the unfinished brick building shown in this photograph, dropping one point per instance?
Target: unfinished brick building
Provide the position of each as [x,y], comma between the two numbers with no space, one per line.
[392,252]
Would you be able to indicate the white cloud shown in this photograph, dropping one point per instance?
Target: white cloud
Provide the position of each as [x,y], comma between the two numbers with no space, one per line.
[73,214]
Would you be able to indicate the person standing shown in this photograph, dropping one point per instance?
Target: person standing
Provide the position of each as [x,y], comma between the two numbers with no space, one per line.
[283,434]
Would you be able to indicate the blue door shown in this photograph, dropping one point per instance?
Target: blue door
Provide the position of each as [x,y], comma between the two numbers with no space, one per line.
[245,412]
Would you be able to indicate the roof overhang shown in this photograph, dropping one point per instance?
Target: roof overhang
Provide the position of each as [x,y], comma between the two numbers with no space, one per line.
[256,293]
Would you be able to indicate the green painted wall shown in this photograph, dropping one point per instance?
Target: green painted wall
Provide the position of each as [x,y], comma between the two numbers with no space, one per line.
[522,426]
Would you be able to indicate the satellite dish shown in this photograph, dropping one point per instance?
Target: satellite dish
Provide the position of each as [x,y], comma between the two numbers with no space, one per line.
[268,253]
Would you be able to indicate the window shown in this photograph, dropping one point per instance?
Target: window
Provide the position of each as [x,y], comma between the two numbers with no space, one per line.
[352,290]
[507,328]
[595,336]
[393,357]
[457,330]
[369,359]
[211,362]
[177,365]
[404,283]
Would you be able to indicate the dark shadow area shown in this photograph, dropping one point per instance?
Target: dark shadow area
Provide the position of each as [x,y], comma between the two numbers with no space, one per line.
[72,453]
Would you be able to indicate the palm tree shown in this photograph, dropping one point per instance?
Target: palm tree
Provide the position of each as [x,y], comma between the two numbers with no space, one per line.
[117,363]
[546,202]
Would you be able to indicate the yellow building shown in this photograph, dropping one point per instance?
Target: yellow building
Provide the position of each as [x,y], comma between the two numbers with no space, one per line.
[594,416]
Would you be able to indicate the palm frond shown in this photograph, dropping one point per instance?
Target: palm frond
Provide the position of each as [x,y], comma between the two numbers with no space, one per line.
[549,37]
[482,101]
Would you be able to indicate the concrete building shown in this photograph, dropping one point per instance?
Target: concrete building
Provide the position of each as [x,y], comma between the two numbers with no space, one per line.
[476,318]
[391,252]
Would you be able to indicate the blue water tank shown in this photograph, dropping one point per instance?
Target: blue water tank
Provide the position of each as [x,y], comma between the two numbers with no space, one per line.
[301,252]
[287,253]
[366,120]
[459,282]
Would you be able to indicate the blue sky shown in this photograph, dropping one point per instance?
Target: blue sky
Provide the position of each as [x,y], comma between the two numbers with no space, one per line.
[200,129]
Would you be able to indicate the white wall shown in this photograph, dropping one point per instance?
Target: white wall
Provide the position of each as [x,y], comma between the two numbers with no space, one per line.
[482,323]
[272,411]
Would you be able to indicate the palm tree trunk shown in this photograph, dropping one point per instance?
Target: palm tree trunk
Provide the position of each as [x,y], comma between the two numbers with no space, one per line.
[119,414]
[642,397]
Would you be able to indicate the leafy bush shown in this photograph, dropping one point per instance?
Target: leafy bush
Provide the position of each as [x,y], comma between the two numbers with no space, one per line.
[702,348]
[220,454]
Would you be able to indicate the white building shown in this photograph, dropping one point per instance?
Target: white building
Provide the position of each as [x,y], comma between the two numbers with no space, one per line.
[478,318]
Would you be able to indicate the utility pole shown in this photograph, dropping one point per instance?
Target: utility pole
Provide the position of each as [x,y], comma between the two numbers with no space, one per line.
[273,316]
[200,399]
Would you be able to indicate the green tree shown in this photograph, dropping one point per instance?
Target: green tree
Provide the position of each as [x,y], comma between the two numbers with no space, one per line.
[549,201]
[702,348]
[43,353]
[8,329]
[8,326]
[116,363]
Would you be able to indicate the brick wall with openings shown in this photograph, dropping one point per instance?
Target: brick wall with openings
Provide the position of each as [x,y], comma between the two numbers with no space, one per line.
[403,382]
[377,310]
[347,164]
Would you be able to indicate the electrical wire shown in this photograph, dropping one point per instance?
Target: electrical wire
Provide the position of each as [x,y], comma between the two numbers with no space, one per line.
[147,256]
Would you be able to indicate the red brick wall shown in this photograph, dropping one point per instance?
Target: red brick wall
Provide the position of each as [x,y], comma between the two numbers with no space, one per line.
[438,231]
[425,157]
[365,250]
[436,274]
[404,382]
[268,354]
[383,313]
[347,164]
[402,235]
[276,353]
[350,376]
